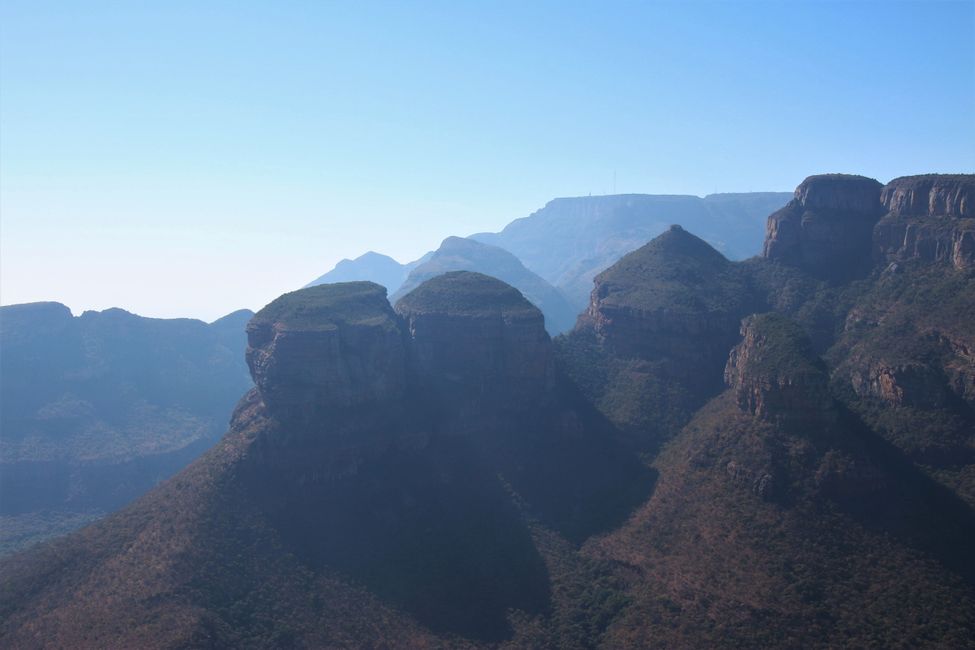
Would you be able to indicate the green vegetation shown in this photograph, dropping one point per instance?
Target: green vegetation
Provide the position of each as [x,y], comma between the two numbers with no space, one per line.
[324,306]
[676,272]
[781,348]
[466,292]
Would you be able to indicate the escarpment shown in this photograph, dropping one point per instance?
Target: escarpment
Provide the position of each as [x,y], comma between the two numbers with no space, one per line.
[675,299]
[477,343]
[720,454]
[776,376]
[327,348]
[409,430]
[657,333]
[929,218]
[826,229]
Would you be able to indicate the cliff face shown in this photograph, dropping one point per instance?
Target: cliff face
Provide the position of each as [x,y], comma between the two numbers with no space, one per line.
[775,375]
[948,195]
[674,294]
[929,218]
[477,342]
[408,430]
[326,349]
[827,227]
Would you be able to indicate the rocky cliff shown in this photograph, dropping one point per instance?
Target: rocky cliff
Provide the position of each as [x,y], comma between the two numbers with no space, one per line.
[477,342]
[659,326]
[326,349]
[776,376]
[929,218]
[827,227]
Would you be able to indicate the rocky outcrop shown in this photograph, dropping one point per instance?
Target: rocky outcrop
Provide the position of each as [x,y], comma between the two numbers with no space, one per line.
[908,384]
[776,376]
[477,341]
[826,229]
[326,349]
[929,218]
[948,195]
[675,298]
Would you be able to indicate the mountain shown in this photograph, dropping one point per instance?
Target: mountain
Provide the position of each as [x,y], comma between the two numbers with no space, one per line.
[771,452]
[816,488]
[393,477]
[780,520]
[372,267]
[457,254]
[95,410]
[570,240]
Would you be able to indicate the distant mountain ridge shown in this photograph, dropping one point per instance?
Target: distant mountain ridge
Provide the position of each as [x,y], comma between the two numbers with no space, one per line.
[570,240]
[457,254]
[370,267]
[96,409]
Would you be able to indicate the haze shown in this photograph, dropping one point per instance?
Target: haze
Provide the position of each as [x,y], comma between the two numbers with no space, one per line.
[183,160]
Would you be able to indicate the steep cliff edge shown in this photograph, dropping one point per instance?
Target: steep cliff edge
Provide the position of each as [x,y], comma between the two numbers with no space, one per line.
[478,343]
[827,228]
[929,218]
[652,346]
[775,375]
[353,489]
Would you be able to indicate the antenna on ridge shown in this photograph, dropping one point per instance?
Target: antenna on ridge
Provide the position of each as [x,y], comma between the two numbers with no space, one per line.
[614,181]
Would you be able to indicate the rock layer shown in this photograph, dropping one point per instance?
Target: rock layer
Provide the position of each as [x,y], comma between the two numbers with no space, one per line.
[327,348]
[475,340]
[776,376]
[827,228]
[929,218]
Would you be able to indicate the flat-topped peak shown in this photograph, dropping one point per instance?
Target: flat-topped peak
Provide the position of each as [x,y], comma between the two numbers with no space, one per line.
[465,292]
[846,192]
[324,306]
[951,195]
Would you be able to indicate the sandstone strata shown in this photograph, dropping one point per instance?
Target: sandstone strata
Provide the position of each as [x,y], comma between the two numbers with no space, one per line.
[776,376]
[929,218]
[327,348]
[826,229]
[476,340]
[676,299]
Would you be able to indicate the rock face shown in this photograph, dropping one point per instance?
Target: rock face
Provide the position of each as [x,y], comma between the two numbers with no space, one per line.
[477,341]
[776,376]
[929,218]
[907,384]
[947,195]
[827,228]
[327,349]
[676,299]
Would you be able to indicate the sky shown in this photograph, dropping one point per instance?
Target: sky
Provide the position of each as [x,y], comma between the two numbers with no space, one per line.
[187,159]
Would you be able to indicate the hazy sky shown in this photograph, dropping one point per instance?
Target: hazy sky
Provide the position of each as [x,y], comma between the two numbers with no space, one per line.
[191,158]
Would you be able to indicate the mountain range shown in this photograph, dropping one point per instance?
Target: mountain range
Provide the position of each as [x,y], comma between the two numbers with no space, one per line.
[769,452]
[97,409]
[570,240]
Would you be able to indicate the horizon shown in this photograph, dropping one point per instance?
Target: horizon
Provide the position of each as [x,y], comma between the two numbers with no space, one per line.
[187,161]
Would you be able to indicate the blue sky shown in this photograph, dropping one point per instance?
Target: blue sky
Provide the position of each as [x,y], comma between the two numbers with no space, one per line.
[191,158]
